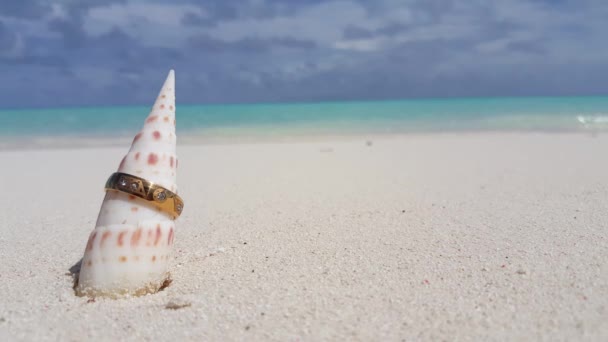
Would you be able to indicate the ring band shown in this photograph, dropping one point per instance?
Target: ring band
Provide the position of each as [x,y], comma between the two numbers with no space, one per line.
[162,198]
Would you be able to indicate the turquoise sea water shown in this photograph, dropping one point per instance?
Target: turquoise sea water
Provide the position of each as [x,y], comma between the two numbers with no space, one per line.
[331,118]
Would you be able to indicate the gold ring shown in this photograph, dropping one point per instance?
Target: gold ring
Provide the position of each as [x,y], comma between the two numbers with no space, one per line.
[162,198]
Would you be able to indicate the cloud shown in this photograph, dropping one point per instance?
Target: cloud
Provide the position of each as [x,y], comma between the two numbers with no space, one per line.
[8,39]
[196,19]
[317,23]
[117,52]
[24,9]
[208,44]
[71,31]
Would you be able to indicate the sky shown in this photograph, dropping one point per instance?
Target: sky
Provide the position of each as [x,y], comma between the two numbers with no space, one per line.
[117,52]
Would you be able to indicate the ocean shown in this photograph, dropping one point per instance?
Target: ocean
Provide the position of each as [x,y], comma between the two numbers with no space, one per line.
[102,125]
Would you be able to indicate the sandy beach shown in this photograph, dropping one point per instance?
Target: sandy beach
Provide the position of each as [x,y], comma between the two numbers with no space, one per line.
[488,236]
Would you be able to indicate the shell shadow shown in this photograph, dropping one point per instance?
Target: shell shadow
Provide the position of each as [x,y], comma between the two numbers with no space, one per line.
[74,272]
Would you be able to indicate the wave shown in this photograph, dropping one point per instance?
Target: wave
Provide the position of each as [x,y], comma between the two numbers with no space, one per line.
[594,119]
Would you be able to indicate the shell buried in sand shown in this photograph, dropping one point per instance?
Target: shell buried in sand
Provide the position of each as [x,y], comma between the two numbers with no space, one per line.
[128,252]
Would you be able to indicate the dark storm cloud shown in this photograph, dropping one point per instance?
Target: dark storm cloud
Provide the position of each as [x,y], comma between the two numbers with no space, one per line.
[117,52]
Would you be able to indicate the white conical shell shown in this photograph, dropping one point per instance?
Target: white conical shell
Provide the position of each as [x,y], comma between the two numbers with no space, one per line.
[129,249]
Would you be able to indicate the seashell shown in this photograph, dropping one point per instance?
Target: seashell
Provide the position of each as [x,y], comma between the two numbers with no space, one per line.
[128,252]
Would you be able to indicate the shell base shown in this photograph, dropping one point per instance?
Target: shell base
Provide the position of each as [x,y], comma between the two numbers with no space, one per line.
[150,288]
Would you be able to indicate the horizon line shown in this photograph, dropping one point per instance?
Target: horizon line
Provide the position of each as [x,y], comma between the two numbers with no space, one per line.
[268,103]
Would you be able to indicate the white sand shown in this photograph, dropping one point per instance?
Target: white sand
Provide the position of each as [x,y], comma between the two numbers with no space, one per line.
[429,237]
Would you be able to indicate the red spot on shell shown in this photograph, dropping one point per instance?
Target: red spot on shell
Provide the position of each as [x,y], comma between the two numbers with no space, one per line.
[156,135]
[91,241]
[121,235]
[134,209]
[171,107]
[131,197]
[122,258]
[170,237]
[158,235]
[153,258]
[166,119]
[89,263]
[152,159]
[137,136]
[135,237]
[104,237]
[162,106]
[171,161]
[137,156]
[150,237]
[152,119]
[174,122]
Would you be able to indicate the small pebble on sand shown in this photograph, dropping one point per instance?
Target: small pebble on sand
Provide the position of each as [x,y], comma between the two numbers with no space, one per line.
[177,303]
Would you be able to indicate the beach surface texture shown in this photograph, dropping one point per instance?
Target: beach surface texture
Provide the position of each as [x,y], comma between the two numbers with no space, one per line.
[466,237]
